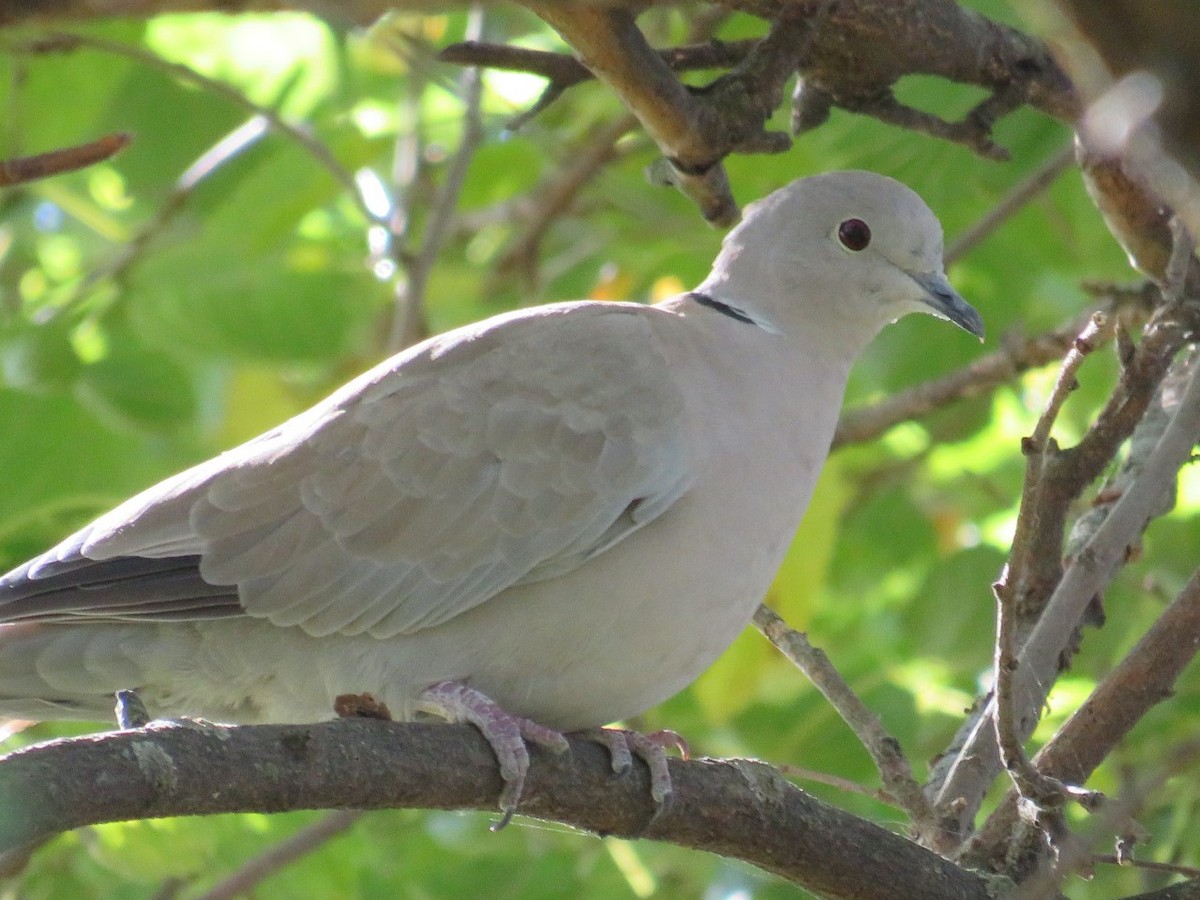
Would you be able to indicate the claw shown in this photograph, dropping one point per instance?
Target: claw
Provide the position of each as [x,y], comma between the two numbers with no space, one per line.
[623,745]
[505,733]
[668,739]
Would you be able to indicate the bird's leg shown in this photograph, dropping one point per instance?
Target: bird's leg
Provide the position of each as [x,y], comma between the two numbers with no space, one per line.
[623,745]
[506,734]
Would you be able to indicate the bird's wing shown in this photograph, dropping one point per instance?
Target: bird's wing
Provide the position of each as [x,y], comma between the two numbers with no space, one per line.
[490,457]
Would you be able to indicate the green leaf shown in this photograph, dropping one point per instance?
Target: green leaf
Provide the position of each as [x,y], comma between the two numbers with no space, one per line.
[39,358]
[264,311]
[139,389]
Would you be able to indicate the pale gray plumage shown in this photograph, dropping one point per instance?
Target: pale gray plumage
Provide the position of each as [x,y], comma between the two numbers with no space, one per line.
[573,509]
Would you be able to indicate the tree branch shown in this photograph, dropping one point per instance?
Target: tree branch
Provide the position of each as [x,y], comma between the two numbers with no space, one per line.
[1185,890]
[408,318]
[564,71]
[556,194]
[971,767]
[1115,816]
[884,749]
[834,46]
[22,169]
[1161,38]
[283,854]
[614,49]
[1144,678]
[314,147]
[1036,182]
[738,808]
[922,37]
[980,377]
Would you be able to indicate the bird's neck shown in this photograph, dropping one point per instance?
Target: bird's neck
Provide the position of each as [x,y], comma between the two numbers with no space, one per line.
[816,321]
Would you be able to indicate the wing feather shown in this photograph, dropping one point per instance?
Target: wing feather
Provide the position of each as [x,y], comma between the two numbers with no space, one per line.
[494,456]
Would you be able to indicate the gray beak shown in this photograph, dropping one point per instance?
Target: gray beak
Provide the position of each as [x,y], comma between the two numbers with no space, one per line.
[945,303]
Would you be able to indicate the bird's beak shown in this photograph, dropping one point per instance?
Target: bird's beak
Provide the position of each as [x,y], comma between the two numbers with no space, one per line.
[946,303]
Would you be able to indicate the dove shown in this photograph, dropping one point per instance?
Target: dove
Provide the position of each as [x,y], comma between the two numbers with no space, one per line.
[542,523]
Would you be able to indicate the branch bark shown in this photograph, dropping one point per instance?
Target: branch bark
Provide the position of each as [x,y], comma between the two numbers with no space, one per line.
[884,749]
[960,781]
[737,808]
[1144,678]
[610,44]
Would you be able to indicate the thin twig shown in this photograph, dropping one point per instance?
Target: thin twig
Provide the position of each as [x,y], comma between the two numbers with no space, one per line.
[556,196]
[972,132]
[263,866]
[884,749]
[836,781]
[1084,345]
[1039,448]
[22,169]
[1145,677]
[1148,864]
[1079,851]
[60,42]
[408,322]
[1012,202]
[223,151]
[979,377]
[1044,796]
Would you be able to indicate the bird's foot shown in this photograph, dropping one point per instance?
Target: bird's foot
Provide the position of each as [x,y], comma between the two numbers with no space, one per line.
[131,713]
[506,733]
[623,745]
[130,710]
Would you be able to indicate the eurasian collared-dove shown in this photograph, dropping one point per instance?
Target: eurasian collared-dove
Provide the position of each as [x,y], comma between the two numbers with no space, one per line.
[559,515]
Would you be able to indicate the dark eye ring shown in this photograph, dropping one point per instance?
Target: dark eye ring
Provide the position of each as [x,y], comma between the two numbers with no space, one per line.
[855,234]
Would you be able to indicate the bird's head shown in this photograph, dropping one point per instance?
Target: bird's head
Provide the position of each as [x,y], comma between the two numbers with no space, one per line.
[856,249]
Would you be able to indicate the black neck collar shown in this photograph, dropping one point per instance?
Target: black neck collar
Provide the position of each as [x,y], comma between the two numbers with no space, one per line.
[723,308]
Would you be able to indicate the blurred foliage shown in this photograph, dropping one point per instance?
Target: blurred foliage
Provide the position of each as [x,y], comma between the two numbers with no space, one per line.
[123,359]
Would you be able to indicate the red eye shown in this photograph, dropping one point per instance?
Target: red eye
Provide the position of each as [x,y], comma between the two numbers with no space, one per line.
[854,234]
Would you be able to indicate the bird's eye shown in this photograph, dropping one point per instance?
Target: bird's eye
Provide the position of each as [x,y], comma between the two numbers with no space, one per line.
[854,234]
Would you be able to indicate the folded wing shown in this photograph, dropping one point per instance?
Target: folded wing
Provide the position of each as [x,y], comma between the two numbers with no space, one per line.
[484,459]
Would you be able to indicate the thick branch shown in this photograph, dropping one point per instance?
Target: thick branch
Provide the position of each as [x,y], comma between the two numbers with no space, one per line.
[1163,38]
[611,46]
[737,808]
[921,36]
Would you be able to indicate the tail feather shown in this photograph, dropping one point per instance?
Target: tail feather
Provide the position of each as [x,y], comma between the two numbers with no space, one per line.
[123,589]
